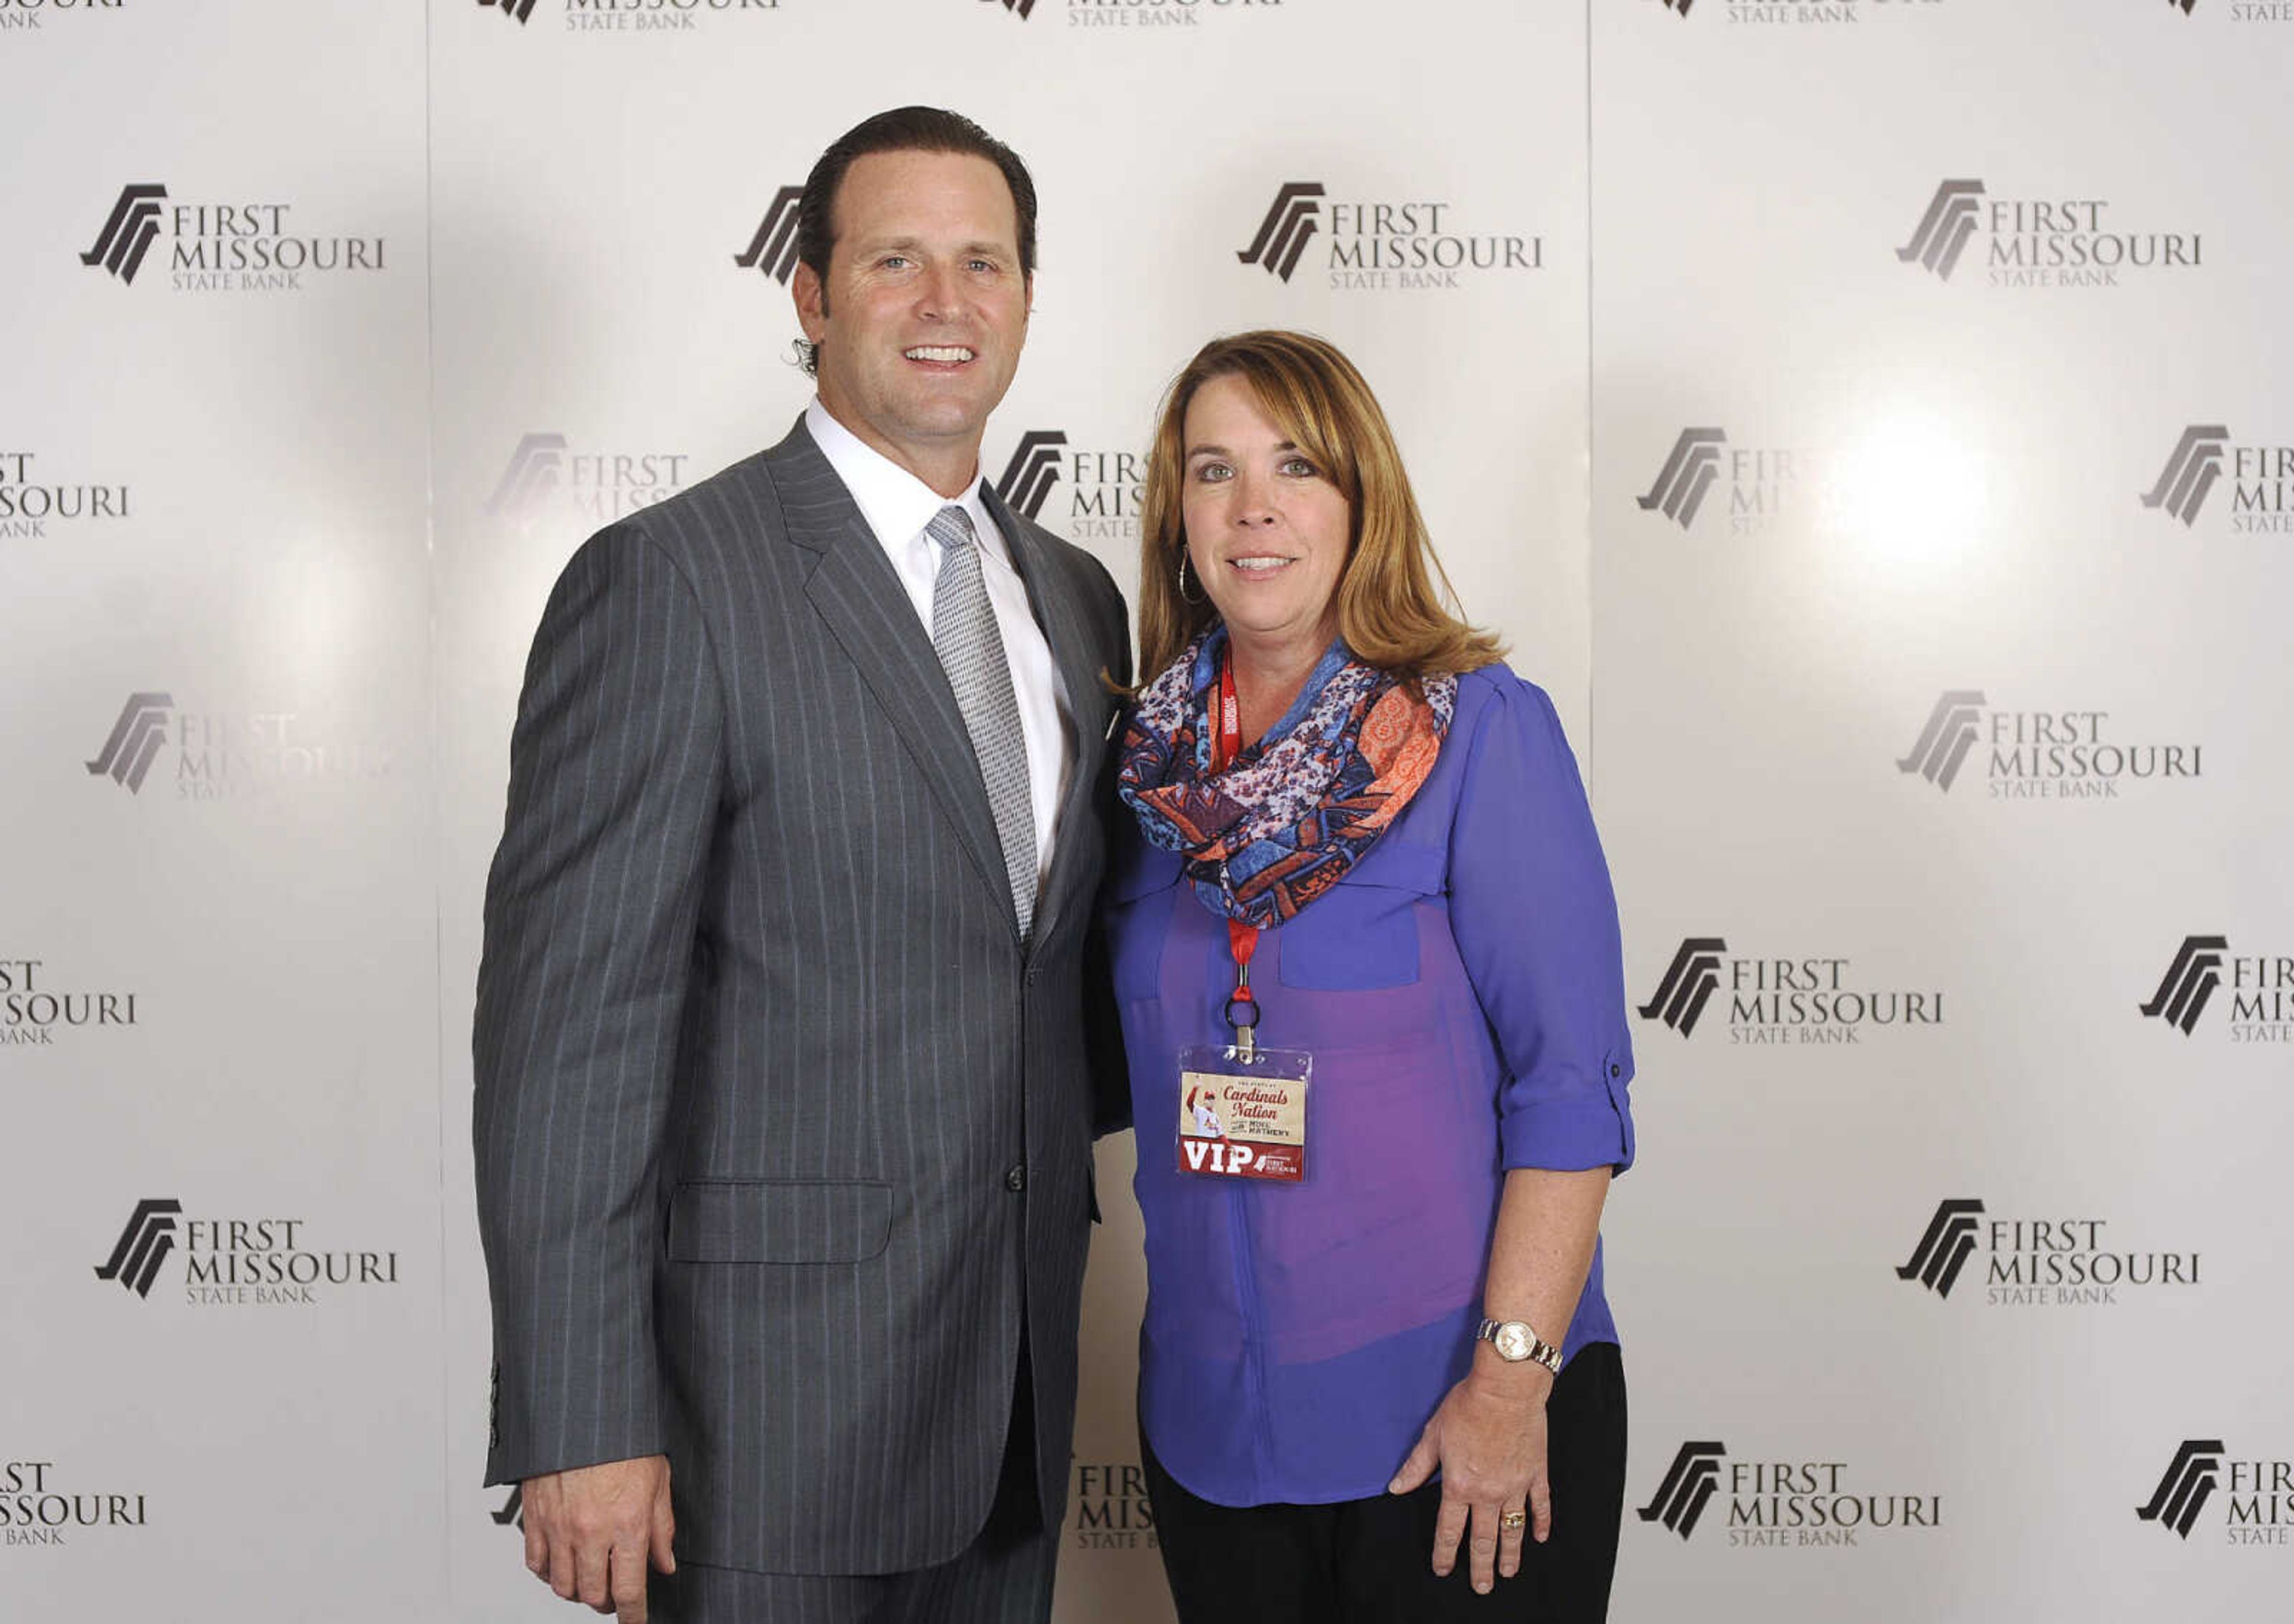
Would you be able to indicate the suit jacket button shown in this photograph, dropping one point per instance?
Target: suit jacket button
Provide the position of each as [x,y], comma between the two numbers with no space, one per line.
[1015,1180]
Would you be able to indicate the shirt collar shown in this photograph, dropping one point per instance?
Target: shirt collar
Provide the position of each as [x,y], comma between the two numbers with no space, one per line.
[896,504]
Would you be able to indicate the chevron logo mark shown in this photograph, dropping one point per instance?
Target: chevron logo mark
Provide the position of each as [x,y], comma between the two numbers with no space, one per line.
[1944,742]
[1688,474]
[1034,469]
[534,471]
[2191,472]
[1944,1250]
[136,738]
[1283,234]
[512,1514]
[1945,228]
[773,249]
[1690,980]
[517,10]
[2184,1491]
[143,1246]
[1021,6]
[1692,1480]
[128,234]
[1679,7]
[2186,4]
[2190,981]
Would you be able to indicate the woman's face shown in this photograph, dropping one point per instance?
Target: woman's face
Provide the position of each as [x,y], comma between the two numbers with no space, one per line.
[1267,530]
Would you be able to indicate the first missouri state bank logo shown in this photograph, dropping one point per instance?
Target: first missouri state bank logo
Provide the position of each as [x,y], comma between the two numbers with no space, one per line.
[1028,479]
[1778,1000]
[134,742]
[1763,486]
[2261,479]
[128,232]
[1772,1502]
[220,247]
[2188,1484]
[219,757]
[2040,755]
[237,1261]
[2257,1495]
[143,1245]
[629,16]
[1688,472]
[1381,244]
[2053,241]
[772,248]
[1080,492]
[1291,221]
[2036,1262]
[547,475]
[1689,1483]
[2261,990]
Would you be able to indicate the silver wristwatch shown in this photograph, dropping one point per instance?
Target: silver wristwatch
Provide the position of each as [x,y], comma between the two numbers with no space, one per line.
[1516,1343]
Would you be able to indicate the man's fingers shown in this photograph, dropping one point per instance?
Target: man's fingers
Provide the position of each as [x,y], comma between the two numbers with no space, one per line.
[629,1576]
[1483,1548]
[1540,1508]
[561,1564]
[590,1562]
[536,1546]
[1449,1528]
[665,1530]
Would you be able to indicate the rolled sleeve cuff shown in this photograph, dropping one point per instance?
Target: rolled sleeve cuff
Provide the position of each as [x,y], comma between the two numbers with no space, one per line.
[1583,1130]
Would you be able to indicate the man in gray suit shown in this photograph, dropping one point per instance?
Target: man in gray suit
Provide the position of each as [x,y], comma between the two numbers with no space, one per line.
[785,1079]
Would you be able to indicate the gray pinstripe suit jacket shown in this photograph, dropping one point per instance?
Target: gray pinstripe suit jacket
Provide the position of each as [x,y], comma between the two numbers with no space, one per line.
[760,1055]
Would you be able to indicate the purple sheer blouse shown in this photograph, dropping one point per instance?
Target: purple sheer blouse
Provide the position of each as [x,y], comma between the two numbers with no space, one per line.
[1462,993]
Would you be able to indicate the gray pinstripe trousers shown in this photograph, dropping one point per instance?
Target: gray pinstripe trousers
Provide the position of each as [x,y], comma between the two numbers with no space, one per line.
[1003,1576]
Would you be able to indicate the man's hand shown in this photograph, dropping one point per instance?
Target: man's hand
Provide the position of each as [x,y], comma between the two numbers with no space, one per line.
[1488,1438]
[588,1532]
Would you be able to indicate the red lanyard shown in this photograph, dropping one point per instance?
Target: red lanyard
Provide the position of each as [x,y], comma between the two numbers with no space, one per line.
[1242,939]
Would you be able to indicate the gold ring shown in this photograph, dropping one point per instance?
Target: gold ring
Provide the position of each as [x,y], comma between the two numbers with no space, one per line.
[1512,1519]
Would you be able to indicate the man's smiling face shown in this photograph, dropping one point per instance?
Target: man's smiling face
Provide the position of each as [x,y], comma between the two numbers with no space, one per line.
[923,310]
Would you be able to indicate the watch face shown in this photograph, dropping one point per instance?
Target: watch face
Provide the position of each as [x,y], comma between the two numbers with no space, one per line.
[1513,1341]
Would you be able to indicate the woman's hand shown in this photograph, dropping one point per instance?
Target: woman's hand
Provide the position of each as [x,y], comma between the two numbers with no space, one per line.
[1488,1438]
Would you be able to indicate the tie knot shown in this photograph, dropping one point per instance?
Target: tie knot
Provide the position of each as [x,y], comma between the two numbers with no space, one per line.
[951,526]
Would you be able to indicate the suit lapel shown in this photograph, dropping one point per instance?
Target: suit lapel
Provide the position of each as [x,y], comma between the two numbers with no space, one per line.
[859,596]
[1062,616]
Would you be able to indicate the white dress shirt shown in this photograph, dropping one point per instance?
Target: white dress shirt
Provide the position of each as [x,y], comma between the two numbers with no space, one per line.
[898,505]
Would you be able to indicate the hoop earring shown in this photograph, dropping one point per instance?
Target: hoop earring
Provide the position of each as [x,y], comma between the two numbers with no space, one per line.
[1199,598]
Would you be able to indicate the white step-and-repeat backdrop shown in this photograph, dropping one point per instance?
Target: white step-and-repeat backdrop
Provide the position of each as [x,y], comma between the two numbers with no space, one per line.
[1873,420]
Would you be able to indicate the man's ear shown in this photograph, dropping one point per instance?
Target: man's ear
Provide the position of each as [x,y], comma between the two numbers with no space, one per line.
[811,296]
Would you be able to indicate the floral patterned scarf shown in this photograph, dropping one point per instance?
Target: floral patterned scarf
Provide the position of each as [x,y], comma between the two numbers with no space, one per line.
[1291,813]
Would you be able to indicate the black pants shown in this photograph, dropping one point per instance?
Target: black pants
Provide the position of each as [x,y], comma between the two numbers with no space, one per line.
[1371,1562]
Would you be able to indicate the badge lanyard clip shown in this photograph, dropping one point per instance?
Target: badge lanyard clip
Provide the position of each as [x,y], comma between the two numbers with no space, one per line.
[1242,941]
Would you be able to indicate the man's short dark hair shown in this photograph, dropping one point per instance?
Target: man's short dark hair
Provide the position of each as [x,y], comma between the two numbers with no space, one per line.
[904,129]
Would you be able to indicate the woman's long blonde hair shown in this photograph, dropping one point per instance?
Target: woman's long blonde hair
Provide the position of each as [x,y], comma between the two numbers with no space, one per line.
[1388,610]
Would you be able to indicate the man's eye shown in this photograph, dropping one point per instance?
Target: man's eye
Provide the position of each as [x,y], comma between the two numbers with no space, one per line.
[894,262]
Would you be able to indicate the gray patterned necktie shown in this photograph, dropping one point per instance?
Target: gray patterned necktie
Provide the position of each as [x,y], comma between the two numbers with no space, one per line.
[964,632]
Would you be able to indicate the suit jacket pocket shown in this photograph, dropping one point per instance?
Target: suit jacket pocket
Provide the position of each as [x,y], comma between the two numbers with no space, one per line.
[746,1221]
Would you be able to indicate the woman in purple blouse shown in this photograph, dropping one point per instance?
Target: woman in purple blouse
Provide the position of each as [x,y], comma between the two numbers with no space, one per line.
[1366,951]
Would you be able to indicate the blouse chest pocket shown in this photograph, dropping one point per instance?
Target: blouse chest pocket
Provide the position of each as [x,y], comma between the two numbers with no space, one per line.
[1143,884]
[1362,934]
